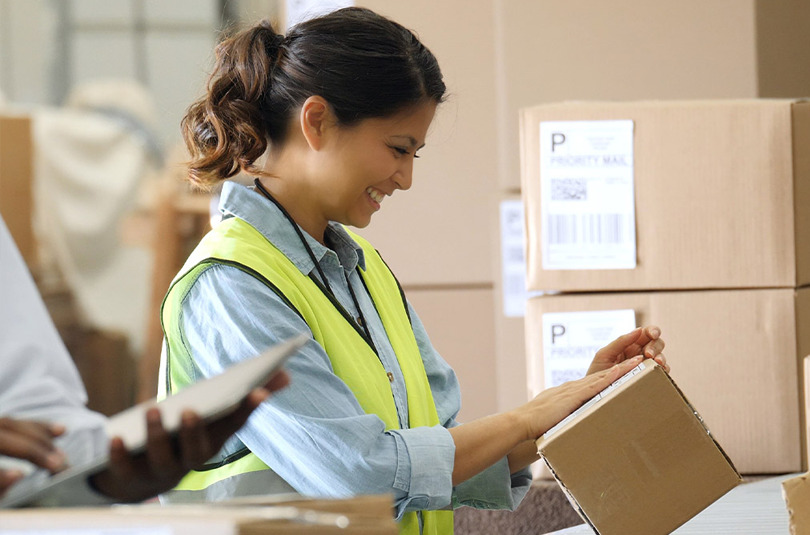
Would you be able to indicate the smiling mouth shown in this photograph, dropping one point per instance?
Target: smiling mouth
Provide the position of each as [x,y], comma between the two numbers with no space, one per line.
[375,194]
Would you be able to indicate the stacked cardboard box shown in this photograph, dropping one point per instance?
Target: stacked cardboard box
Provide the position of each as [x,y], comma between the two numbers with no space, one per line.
[705,233]
[16,176]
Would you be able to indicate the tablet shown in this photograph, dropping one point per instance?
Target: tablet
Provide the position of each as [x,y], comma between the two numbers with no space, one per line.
[211,398]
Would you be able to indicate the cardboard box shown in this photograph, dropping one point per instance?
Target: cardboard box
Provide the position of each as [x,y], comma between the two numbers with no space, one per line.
[720,191]
[796,492]
[732,50]
[640,459]
[510,295]
[805,411]
[736,352]
[364,515]
[459,322]
[16,182]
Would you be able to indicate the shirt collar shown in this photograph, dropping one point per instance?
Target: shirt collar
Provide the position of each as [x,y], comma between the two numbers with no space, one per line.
[259,212]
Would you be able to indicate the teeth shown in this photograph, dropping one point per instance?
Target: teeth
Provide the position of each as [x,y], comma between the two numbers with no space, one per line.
[377,195]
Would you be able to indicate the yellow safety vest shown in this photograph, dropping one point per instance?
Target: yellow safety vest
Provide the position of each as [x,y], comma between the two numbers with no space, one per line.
[235,242]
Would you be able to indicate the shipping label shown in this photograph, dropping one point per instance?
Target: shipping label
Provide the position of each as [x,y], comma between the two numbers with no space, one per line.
[571,339]
[513,259]
[587,203]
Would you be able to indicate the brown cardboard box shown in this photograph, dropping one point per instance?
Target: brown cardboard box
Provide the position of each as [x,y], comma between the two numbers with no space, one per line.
[720,194]
[459,323]
[732,50]
[640,459]
[510,288]
[796,492]
[805,411]
[16,180]
[736,352]
[364,515]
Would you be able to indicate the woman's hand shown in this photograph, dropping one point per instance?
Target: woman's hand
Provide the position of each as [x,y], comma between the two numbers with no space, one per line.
[550,406]
[644,341]
[32,441]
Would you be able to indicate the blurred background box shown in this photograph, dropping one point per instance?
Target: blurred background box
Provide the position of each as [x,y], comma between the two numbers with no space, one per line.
[721,190]
[459,323]
[16,175]
[735,354]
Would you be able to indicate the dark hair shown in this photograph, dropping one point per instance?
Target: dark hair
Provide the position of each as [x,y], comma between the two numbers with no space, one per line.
[363,64]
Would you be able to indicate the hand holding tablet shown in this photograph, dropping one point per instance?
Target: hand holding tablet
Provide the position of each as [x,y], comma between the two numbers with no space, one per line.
[154,444]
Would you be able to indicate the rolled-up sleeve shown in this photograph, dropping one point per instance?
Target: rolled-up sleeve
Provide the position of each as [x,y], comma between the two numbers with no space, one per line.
[314,434]
[493,488]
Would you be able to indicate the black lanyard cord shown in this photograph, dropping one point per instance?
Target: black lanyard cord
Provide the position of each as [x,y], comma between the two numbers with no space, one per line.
[325,287]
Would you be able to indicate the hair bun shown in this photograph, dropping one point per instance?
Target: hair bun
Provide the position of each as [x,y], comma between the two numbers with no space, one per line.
[272,41]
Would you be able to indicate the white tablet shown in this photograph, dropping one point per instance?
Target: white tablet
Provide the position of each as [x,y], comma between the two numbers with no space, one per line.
[211,399]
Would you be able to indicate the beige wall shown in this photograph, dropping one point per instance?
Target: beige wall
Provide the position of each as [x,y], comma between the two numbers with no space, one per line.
[438,233]
[461,329]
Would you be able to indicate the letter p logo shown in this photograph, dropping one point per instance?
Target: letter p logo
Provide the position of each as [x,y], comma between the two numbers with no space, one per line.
[557,330]
[557,138]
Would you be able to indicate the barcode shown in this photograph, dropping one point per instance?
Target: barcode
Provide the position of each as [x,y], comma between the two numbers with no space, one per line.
[588,228]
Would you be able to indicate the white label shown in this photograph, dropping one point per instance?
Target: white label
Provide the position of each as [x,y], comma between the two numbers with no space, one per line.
[571,339]
[301,10]
[513,259]
[587,203]
[596,399]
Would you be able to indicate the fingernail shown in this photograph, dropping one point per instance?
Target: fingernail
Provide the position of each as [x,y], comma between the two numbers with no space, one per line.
[153,416]
[189,418]
[14,475]
[656,332]
[55,460]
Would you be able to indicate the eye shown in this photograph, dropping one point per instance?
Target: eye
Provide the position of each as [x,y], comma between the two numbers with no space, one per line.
[402,151]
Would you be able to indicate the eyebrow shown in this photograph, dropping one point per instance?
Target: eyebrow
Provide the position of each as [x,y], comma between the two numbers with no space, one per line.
[412,141]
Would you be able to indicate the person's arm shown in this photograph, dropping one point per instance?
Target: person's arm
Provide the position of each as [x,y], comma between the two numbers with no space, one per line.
[132,478]
[483,442]
[44,420]
[314,434]
[480,442]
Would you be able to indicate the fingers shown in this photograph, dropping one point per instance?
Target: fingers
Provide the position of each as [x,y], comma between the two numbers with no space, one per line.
[643,340]
[8,478]
[278,381]
[121,465]
[32,441]
[662,361]
[622,346]
[159,451]
[195,444]
[603,379]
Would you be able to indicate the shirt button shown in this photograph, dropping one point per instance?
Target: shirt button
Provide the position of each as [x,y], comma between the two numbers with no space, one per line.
[390,377]
[360,321]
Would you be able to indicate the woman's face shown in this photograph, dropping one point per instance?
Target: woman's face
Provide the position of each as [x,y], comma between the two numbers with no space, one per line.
[364,163]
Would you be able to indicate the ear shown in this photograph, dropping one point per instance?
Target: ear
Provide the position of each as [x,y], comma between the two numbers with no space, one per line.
[316,117]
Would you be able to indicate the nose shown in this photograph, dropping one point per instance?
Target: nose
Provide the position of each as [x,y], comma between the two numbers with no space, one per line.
[403,178]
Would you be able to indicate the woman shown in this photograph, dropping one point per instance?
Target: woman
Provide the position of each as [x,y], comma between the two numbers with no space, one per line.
[343,103]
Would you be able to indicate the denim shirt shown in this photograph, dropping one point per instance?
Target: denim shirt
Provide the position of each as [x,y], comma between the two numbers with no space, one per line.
[314,434]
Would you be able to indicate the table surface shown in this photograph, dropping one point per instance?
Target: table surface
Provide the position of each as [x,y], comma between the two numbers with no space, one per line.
[749,509]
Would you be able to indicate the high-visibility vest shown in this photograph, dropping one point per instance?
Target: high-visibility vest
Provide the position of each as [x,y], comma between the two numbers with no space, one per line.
[235,242]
